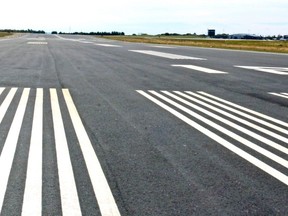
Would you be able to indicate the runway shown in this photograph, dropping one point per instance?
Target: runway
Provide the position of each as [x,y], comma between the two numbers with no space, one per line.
[90,126]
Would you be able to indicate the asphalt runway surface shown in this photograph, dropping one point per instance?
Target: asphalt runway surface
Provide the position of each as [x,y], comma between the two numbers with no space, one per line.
[90,126]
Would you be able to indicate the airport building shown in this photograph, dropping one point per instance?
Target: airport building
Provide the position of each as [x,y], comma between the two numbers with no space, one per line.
[211,32]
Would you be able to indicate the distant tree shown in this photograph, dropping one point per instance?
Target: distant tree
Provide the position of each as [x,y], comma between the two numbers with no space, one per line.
[54,32]
[223,36]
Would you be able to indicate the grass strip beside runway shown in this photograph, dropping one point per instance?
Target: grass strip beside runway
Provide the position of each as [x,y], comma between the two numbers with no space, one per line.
[5,34]
[252,45]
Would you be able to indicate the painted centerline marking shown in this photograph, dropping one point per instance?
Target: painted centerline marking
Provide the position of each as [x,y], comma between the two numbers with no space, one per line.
[37,43]
[272,70]
[86,42]
[201,69]
[162,47]
[107,45]
[165,55]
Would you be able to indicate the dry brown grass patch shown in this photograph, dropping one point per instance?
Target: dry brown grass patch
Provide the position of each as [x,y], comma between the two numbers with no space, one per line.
[252,45]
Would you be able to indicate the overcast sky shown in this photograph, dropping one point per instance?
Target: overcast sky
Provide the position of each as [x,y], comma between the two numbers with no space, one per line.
[265,17]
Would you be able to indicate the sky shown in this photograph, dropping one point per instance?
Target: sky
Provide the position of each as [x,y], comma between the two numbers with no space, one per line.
[261,17]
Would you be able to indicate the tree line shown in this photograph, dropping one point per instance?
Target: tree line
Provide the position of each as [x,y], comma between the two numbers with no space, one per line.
[55,32]
[23,31]
[114,33]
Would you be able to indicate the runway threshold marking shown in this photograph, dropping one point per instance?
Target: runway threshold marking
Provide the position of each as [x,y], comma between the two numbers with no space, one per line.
[10,145]
[32,193]
[69,196]
[100,185]
[201,69]
[282,94]
[32,202]
[272,70]
[198,105]
[165,55]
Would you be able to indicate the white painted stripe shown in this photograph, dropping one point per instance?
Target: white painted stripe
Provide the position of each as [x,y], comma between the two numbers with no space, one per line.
[245,109]
[10,145]
[68,39]
[202,69]
[233,135]
[4,40]
[254,126]
[261,165]
[6,103]
[68,191]
[37,39]
[165,55]
[272,70]
[101,188]
[279,95]
[37,43]
[32,203]
[284,93]
[162,47]
[107,45]
[86,42]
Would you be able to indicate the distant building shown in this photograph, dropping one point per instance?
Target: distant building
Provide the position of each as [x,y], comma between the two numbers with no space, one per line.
[245,36]
[211,32]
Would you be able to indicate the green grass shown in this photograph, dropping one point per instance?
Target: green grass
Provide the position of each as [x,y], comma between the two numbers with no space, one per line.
[4,34]
[252,45]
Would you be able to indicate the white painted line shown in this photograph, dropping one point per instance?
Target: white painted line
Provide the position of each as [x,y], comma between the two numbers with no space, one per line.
[107,45]
[101,188]
[272,70]
[68,191]
[5,40]
[202,69]
[284,93]
[39,39]
[10,145]
[4,106]
[231,124]
[1,90]
[37,43]
[32,203]
[165,55]
[86,42]
[68,39]
[162,47]
[247,110]
[261,129]
[261,165]
[279,95]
